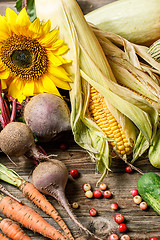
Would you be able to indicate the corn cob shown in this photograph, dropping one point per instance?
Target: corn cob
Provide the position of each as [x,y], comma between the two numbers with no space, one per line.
[107,122]
[91,68]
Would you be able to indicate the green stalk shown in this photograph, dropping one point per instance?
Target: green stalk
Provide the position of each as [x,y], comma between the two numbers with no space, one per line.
[10,176]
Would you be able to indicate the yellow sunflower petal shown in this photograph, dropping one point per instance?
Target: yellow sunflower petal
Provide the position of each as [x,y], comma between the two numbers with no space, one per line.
[23,18]
[4,74]
[3,84]
[20,97]
[46,27]
[49,38]
[59,72]
[38,87]
[13,89]
[62,60]
[57,44]
[59,83]
[11,16]
[4,29]
[54,59]
[35,26]
[62,50]
[50,86]
[28,89]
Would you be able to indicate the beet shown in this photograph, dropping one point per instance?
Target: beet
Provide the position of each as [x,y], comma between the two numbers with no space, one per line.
[16,139]
[47,115]
[50,177]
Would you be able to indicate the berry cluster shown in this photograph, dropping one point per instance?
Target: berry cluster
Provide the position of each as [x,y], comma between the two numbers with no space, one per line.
[138,200]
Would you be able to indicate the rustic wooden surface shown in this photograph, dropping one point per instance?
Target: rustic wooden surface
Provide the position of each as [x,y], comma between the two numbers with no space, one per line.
[141,224]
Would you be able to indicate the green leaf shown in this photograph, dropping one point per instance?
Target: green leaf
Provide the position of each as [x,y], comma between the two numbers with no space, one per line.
[31,10]
[19,5]
[10,176]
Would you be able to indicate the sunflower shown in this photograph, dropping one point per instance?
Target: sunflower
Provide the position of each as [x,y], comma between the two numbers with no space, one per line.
[31,59]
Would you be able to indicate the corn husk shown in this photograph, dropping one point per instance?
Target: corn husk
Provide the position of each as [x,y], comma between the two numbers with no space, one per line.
[91,67]
[154,50]
[135,20]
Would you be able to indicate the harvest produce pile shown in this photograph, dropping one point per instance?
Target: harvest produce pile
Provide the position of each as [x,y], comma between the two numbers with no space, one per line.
[93,75]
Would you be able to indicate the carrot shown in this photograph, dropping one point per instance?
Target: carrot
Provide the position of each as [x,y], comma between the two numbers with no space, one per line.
[28,218]
[2,237]
[40,200]
[12,230]
[29,190]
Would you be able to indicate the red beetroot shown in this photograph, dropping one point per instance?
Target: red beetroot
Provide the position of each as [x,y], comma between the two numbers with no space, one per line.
[50,178]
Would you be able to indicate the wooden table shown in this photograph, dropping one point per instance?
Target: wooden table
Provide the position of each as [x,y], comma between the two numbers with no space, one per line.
[141,224]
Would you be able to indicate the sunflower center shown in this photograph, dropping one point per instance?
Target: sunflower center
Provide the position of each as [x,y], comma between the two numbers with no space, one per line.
[24,57]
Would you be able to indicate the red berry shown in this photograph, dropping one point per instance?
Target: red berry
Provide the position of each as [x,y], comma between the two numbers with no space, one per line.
[103,186]
[122,227]
[97,193]
[125,237]
[128,169]
[86,187]
[134,192]
[93,212]
[143,205]
[153,238]
[63,146]
[114,206]
[114,237]
[74,173]
[119,218]
[107,194]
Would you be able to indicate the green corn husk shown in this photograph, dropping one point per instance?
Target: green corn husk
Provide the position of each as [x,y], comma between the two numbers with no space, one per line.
[154,151]
[127,63]
[90,67]
[135,20]
[142,76]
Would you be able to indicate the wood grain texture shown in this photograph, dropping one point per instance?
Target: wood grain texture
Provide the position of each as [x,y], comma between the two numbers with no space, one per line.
[141,224]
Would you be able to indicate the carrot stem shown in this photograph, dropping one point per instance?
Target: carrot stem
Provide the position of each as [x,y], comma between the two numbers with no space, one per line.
[4,190]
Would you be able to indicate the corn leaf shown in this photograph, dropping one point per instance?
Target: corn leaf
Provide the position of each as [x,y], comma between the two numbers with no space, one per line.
[137,21]
[90,67]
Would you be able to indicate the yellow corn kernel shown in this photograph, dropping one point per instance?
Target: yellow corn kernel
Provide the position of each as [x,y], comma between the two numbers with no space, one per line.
[107,122]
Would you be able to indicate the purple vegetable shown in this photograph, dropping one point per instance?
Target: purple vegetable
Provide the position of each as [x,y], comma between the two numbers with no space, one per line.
[47,115]
[50,177]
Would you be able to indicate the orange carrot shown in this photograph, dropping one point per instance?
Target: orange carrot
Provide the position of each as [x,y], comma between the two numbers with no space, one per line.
[40,200]
[28,218]
[12,230]
[2,237]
